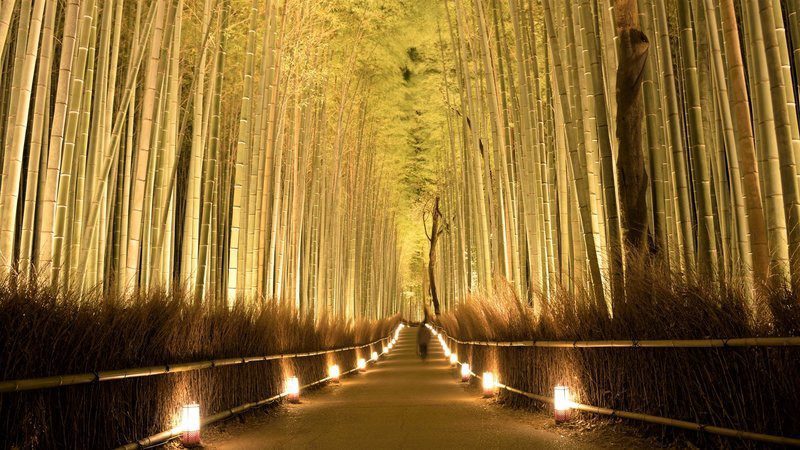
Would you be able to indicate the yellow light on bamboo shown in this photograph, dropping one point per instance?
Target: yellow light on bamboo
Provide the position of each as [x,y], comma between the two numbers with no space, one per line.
[334,373]
[453,359]
[293,390]
[465,372]
[190,425]
[362,365]
[488,384]
[561,403]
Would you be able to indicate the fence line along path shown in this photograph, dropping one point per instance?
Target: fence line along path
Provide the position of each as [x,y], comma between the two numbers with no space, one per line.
[401,402]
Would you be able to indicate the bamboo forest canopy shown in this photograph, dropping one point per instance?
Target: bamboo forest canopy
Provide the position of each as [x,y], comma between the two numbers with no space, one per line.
[315,152]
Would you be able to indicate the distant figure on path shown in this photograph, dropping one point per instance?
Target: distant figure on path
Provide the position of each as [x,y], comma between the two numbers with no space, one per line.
[423,338]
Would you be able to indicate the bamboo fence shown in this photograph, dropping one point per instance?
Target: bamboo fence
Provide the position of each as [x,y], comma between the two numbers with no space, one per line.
[165,436]
[791,341]
[30,384]
[633,343]
[692,426]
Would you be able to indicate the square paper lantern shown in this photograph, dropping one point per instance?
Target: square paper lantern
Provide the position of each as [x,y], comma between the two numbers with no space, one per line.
[293,390]
[561,403]
[334,373]
[488,384]
[190,425]
[362,365]
[465,372]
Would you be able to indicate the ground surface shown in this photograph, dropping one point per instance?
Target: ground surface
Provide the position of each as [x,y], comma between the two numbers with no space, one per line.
[405,403]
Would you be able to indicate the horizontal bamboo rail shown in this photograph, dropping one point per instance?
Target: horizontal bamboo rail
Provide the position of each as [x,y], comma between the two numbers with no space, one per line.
[791,341]
[30,384]
[686,425]
[168,435]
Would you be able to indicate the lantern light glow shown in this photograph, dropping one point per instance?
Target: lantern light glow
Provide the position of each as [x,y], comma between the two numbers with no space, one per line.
[190,425]
[488,384]
[465,372]
[362,365]
[374,356]
[334,372]
[293,390]
[561,403]
[453,359]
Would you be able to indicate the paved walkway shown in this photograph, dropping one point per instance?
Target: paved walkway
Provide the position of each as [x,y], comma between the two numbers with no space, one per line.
[400,403]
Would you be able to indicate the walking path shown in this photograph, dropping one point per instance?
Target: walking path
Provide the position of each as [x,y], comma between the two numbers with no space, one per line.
[401,402]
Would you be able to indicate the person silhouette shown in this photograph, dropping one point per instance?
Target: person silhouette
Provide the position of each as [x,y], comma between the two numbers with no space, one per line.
[423,339]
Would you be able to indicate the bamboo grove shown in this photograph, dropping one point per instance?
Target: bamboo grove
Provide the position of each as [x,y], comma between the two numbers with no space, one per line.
[533,191]
[221,145]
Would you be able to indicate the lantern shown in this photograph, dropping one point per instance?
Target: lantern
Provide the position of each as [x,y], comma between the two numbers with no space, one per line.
[453,359]
[465,372]
[334,373]
[561,403]
[362,365]
[190,425]
[293,390]
[385,350]
[375,356]
[488,384]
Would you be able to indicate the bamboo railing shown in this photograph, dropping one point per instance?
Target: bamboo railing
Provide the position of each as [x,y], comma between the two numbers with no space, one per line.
[30,384]
[667,343]
[791,341]
[686,425]
[168,435]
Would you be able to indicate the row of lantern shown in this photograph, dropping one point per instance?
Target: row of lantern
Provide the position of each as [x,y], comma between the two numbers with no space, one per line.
[190,414]
[561,399]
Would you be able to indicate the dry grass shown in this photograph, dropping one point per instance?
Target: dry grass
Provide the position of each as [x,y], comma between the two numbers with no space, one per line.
[754,389]
[43,336]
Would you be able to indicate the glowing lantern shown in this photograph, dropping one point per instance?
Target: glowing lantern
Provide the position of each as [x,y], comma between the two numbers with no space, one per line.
[465,372]
[561,403]
[385,350]
[375,356]
[453,359]
[362,365]
[190,425]
[391,344]
[293,390]
[334,373]
[488,384]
